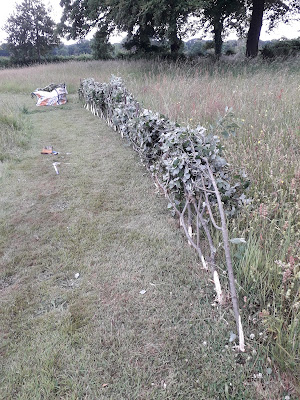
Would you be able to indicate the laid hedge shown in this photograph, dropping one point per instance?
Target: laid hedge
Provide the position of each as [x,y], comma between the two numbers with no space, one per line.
[178,155]
[187,165]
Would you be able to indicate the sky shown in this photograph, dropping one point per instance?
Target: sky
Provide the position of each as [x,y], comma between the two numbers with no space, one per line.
[7,7]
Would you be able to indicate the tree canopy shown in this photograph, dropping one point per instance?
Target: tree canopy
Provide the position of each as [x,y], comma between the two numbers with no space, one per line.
[165,21]
[151,25]
[220,15]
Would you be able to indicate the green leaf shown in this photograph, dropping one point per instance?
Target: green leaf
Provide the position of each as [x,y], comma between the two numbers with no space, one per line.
[225,134]
[176,162]
[238,240]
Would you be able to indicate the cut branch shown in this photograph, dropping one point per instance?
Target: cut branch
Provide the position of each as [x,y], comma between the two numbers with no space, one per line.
[234,298]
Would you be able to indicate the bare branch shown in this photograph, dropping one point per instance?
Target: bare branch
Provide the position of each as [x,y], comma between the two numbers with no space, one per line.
[209,208]
[228,261]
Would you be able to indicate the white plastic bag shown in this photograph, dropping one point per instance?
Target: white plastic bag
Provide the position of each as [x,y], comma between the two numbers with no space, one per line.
[56,95]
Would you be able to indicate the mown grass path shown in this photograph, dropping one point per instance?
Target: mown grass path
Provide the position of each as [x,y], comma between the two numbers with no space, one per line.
[98,337]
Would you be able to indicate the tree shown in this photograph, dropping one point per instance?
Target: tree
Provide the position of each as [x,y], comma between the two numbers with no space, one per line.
[273,10]
[83,47]
[154,21]
[102,49]
[170,16]
[31,33]
[220,15]
[138,22]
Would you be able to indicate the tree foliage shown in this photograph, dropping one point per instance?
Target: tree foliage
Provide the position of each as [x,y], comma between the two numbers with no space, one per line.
[4,51]
[281,48]
[220,15]
[81,47]
[31,32]
[146,21]
[102,49]
[170,18]
[143,20]
[79,16]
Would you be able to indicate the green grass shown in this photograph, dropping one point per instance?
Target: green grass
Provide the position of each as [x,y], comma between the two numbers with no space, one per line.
[65,338]
[14,132]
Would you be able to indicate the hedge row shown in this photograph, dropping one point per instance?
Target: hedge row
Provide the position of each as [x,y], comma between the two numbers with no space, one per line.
[176,154]
[187,164]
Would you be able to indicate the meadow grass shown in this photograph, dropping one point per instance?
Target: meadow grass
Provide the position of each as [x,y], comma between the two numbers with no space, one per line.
[14,131]
[265,101]
[97,336]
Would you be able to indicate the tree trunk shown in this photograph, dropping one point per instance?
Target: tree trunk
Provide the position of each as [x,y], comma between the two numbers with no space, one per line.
[218,29]
[175,41]
[38,46]
[255,28]
[144,39]
[146,32]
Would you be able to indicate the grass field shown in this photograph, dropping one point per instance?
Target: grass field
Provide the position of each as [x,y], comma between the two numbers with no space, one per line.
[96,336]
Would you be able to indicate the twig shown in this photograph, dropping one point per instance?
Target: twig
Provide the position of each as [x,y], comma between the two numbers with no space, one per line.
[181,219]
[209,208]
[199,216]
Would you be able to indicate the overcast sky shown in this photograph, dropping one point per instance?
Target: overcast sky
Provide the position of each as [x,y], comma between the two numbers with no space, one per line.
[7,7]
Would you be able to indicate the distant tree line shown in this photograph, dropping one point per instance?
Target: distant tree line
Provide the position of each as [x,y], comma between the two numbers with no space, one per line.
[152,26]
[191,49]
[81,47]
